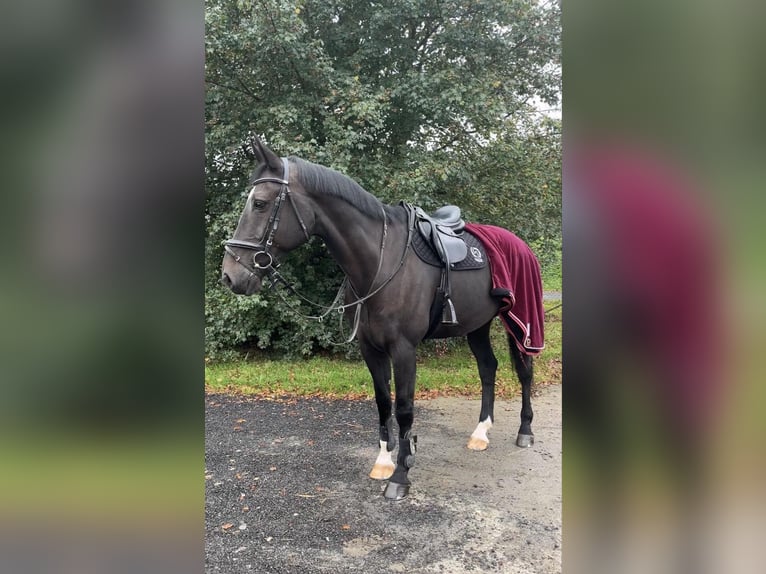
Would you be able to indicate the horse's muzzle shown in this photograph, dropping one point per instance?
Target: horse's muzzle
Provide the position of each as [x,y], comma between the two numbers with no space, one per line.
[243,285]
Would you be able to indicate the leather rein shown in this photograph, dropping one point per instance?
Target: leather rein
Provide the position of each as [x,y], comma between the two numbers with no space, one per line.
[263,259]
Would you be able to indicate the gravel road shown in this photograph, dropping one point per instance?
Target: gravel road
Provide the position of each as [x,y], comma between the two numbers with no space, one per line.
[287,490]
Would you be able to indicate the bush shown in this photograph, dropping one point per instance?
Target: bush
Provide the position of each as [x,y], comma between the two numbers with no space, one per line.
[271,320]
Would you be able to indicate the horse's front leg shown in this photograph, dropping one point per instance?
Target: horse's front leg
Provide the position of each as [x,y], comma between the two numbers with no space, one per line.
[380,368]
[403,355]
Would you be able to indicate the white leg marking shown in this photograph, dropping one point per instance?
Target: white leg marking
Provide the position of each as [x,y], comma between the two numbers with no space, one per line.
[479,440]
[384,464]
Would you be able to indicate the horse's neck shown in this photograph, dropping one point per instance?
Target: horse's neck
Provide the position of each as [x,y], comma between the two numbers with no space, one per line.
[354,240]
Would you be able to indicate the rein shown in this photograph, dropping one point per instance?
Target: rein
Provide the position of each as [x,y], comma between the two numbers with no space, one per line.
[267,260]
[276,276]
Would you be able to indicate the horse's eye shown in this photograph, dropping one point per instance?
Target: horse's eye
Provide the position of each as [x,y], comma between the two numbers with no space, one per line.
[258,204]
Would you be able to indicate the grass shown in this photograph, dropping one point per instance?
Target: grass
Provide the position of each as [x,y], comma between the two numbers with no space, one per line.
[443,369]
[551,275]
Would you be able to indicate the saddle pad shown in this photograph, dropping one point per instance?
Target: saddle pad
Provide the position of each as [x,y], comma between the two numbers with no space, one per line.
[476,258]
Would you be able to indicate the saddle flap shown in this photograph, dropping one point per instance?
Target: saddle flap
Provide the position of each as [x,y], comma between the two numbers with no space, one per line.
[443,229]
[454,247]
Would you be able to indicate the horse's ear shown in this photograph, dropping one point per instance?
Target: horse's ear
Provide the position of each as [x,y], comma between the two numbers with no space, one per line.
[265,155]
[255,148]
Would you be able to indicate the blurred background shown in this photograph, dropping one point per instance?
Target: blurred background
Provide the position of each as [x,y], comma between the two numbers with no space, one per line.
[664,273]
[101,333]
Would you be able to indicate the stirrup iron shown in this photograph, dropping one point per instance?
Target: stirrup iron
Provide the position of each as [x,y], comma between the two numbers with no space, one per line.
[448,313]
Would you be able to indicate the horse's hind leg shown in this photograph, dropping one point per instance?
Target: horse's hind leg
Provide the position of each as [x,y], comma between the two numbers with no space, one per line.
[479,342]
[523,365]
[380,368]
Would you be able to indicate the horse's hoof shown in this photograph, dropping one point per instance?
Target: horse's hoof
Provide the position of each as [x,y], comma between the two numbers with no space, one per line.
[381,472]
[477,444]
[395,491]
[525,440]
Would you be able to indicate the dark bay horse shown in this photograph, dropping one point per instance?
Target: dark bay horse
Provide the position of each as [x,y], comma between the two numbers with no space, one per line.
[291,200]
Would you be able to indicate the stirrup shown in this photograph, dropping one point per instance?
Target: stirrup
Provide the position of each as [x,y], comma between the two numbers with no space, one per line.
[448,313]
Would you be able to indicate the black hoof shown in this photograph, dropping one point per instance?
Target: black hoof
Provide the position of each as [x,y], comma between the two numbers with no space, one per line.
[525,440]
[396,491]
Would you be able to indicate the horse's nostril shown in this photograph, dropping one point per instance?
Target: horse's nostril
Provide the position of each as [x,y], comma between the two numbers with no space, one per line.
[226,280]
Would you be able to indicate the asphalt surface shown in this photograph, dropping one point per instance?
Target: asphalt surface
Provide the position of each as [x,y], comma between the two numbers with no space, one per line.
[287,490]
[551,295]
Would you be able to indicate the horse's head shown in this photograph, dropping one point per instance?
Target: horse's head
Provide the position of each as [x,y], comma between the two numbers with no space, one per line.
[270,225]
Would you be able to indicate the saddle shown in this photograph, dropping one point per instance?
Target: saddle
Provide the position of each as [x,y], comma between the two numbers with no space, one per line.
[443,231]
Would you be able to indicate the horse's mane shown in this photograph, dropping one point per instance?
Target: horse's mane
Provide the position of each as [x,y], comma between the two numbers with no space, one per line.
[323,180]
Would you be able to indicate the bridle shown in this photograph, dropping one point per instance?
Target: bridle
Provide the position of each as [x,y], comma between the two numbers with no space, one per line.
[261,249]
[267,261]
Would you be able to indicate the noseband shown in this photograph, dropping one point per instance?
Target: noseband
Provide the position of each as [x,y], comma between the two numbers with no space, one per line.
[262,258]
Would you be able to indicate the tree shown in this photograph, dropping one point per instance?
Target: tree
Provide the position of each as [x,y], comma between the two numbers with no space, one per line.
[431,101]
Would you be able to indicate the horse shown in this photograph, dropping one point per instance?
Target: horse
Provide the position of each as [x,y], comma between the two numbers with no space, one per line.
[388,296]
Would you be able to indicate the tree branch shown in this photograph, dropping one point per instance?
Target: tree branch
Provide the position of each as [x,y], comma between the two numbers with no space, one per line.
[282,46]
[244,90]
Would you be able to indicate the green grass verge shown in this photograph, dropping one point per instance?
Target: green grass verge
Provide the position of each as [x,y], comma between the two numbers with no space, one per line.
[443,369]
[551,276]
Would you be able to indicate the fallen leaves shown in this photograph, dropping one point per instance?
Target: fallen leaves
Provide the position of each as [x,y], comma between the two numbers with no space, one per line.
[229,525]
[238,422]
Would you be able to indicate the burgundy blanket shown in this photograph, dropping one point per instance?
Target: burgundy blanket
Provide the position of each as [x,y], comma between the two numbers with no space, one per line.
[662,264]
[516,269]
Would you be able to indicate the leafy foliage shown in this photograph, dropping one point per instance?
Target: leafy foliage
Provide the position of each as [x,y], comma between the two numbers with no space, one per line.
[431,101]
